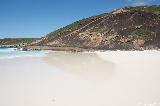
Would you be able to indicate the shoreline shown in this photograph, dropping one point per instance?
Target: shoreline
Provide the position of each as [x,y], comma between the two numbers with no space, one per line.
[77,49]
[74,49]
[46,51]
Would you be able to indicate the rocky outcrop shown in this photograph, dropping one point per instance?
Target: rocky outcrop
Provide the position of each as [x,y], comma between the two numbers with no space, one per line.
[125,28]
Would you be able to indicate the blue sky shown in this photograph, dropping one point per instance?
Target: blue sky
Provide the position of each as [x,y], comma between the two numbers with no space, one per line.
[36,18]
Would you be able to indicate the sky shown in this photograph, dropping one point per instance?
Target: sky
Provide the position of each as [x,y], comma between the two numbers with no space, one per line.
[36,18]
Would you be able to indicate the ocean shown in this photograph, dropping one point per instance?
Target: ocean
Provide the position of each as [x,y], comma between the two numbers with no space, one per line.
[10,53]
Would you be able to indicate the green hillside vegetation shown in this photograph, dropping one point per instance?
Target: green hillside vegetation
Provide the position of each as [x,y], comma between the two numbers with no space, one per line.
[151,8]
[74,26]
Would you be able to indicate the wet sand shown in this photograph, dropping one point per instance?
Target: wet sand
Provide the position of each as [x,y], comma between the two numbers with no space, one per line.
[113,78]
[87,65]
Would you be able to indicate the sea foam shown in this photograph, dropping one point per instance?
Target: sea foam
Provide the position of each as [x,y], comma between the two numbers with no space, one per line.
[10,53]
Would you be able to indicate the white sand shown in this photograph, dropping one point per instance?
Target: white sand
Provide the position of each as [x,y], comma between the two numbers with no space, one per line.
[112,78]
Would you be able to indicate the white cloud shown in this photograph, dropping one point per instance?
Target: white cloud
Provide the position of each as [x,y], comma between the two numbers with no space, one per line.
[140,2]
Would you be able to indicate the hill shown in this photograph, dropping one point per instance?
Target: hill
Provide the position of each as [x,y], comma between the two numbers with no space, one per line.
[125,28]
[16,41]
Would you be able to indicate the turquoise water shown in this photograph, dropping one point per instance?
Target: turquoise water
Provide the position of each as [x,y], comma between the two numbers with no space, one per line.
[9,53]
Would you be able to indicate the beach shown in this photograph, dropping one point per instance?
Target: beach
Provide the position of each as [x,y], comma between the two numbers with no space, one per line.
[110,78]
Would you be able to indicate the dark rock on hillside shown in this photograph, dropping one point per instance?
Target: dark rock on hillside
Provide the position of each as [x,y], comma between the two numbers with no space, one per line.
[124,29]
